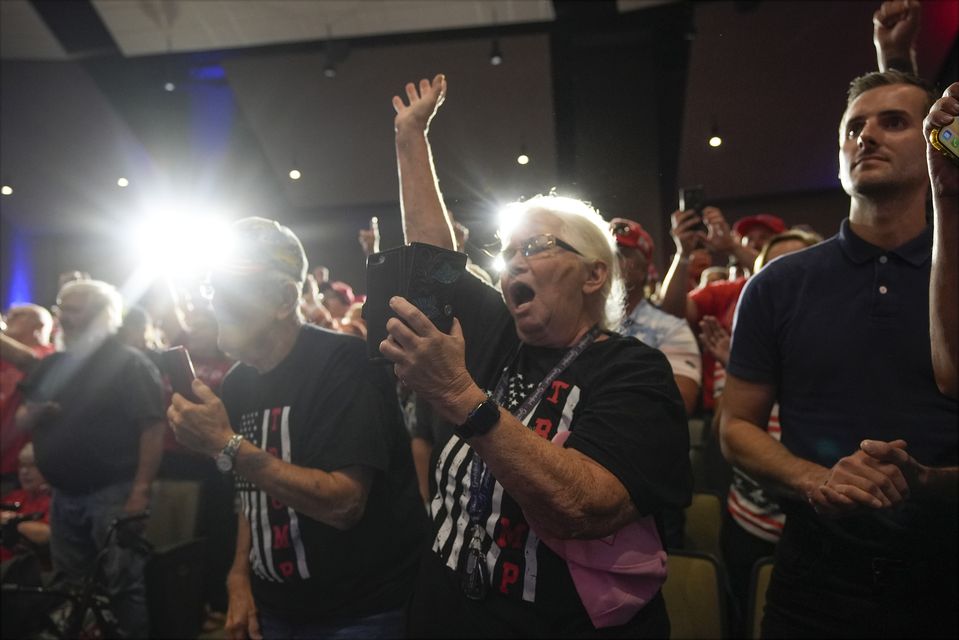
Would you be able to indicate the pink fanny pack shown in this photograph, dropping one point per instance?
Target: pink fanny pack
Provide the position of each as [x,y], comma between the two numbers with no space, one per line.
[617,575]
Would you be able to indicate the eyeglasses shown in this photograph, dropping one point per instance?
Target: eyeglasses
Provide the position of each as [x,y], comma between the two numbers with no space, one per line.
[537,244]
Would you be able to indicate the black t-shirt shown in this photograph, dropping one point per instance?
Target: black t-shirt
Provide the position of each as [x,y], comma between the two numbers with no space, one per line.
[621,404]
[326,407]
[842,331]
[106,397]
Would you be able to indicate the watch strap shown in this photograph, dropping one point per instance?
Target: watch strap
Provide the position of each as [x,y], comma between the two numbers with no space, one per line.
[231,448]
[480,420]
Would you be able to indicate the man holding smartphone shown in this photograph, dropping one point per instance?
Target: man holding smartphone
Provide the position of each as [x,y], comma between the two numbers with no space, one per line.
[331,523]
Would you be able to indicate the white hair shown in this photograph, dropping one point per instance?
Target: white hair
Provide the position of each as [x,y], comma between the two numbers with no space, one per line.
[105,296]
[584,228]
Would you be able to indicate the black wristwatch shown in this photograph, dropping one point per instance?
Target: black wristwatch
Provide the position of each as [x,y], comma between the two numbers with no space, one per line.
[480,420]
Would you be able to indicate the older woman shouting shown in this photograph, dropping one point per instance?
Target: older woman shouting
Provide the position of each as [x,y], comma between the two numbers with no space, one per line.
[570,440]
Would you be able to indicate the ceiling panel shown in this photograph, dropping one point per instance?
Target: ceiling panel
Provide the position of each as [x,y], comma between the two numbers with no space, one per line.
[23,34]
[144,27]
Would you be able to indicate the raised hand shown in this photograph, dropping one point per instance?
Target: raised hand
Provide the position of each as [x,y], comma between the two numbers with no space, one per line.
[684,233]
[721,237]
[943,174]
[895,27]
[715,339]
[370,238]
[424,101]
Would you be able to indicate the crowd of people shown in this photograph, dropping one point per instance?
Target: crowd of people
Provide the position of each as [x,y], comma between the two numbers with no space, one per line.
[525,474]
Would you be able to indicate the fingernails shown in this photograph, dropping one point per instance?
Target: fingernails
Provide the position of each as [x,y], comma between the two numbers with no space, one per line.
[867,445]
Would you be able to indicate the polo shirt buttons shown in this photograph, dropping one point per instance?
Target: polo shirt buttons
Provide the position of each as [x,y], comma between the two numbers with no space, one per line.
[883,260]
[883,290]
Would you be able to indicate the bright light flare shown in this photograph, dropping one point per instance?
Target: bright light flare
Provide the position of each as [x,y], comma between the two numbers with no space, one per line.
[522,159]
[295,174]
[499,264]
[715,141]
[177,244]
[123,182]
[6,190]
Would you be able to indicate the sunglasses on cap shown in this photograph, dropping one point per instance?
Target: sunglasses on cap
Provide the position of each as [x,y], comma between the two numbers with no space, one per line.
[537,244]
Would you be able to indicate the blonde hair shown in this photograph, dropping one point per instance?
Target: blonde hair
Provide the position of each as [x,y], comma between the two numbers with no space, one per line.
[584,228]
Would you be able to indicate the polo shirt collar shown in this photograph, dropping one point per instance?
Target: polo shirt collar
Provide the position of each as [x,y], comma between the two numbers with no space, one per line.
[915,251]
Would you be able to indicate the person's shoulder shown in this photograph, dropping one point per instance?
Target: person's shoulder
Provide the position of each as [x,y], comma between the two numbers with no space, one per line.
[315,339]
[798,264]
[619,350]
[128,354]
[659,319]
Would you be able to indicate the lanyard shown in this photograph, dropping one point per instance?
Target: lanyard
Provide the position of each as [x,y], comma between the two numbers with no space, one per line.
[481,480]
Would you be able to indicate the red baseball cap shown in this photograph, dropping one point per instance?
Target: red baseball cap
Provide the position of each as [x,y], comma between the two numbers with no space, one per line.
[345,291]
[629,233]
[771,222]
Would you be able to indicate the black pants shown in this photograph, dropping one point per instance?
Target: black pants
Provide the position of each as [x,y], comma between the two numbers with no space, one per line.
[823,588]
[216,521]
[741,550]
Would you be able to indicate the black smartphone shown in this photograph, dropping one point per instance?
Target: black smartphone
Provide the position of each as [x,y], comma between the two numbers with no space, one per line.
[693,198]
[421,273]
[179,369]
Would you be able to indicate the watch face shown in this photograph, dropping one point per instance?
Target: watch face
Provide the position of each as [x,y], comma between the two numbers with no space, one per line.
[224,463]
[484,418]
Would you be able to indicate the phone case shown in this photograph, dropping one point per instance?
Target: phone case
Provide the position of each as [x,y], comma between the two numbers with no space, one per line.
[423,274]
[946,139]
[179,369]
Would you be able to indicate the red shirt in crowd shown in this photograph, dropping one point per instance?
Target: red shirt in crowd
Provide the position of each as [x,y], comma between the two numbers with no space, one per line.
[30,502]
[11,438]
[717,299]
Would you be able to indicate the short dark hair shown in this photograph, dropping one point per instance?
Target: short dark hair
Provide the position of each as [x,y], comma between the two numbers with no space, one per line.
[876,79]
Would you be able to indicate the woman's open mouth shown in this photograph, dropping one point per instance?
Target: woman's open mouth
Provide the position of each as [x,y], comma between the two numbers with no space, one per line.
[520,294]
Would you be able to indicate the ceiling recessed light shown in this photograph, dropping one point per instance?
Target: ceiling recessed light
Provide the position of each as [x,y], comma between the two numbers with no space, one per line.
[6,190]
[715,141]
[122,182]
[295,174]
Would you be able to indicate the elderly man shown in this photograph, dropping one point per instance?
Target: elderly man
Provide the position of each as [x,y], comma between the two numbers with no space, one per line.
[331,523]
[95,412]
[646,322]
[838,335]
[514,513]
[24,341]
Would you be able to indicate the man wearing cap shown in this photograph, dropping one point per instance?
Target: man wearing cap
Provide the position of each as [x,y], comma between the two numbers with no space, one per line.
[656,328]
[755,231]
[331,523]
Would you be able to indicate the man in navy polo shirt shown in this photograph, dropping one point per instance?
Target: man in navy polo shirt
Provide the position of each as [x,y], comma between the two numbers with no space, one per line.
[838,335]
